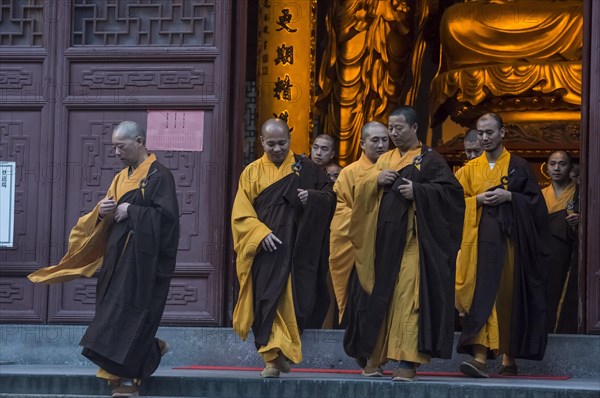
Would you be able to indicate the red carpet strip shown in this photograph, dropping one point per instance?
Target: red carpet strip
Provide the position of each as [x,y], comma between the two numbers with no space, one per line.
[349,371]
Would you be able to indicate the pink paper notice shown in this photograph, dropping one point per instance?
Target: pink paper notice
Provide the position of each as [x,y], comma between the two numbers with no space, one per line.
[175,130]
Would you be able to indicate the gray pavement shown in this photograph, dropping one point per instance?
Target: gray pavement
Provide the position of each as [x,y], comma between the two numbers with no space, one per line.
[233,383]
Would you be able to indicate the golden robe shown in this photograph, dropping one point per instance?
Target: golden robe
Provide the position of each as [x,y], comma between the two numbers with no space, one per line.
[501,269]
[476,177]
[87,241]
[341,252]
[248,233]
[557,203]
[398,339]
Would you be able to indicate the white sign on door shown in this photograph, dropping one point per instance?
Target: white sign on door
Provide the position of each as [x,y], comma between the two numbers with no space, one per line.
[7,203]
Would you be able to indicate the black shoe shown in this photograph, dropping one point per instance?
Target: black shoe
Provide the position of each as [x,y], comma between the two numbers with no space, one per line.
[474,368]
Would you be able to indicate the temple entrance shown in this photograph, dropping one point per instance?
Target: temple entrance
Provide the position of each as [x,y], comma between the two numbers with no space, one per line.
[448,60]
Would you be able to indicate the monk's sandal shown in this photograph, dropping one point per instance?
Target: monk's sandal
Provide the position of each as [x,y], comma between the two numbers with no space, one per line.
[124,388]
[475,368]
[270,372]
[164,347]
[403,374]
[372,371]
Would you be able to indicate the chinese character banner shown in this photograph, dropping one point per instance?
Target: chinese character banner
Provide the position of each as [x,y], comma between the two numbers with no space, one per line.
[286,66]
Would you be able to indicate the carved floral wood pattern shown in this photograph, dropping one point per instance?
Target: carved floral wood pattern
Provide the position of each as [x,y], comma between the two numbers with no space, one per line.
[143,23]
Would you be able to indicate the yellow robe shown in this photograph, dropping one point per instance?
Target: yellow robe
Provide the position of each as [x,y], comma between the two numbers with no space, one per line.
[558,203]
[87,241]
[477,177]
[341,252]
[248,233]
[399,338]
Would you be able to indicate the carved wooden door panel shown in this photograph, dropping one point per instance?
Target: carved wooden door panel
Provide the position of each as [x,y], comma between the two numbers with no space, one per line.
[25,65]
[115,60]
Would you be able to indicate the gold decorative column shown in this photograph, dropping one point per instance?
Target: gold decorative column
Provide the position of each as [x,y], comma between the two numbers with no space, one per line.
[286,66]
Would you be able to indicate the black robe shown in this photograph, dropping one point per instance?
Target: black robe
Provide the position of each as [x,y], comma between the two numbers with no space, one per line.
[440,206]
[303,231]
[525,221]
[134,280]
[563,275]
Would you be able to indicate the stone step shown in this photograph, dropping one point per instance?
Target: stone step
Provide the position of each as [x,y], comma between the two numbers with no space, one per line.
[573,355]
[43,381]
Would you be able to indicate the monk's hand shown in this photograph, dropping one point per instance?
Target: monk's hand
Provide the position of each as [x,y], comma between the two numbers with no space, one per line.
[406,189]
[121,212]
[573,219]
[269,243]
[303,195]
[387,177]
[107,206]
[495,197]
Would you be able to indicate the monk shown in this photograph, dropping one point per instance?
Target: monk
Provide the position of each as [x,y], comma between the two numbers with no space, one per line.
[405,228]
[562,200]
[323,150]
[500,269]
[473,148]
[323,317]
[333,171]
[374,142]
[133,233]
[280,219]
[331,316]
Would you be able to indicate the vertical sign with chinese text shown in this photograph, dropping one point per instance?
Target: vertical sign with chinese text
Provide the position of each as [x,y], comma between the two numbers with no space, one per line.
[286,66]
[7,203]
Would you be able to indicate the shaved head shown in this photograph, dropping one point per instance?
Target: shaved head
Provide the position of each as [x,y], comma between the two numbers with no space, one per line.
[333,171]
[370,127]
[129,139]
[131,130]
[327,138]
[409,113]
[322,150]
[374,140]
[472,144]
[275,140]
[471,136]
[272,125]
[495,117]
[561,155]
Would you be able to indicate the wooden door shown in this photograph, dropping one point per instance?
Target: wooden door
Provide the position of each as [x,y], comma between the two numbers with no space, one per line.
[113,60]
[26,112]
[590,150]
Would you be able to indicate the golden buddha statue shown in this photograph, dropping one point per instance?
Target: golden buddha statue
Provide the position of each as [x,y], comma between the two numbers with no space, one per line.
[519,57]
[364,67]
